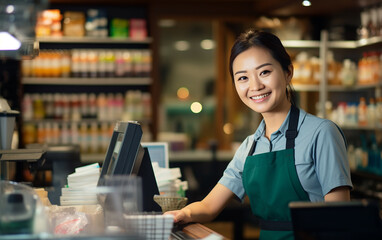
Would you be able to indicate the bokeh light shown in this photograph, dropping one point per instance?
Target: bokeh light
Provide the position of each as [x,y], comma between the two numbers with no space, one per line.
[196,107]
[183,93]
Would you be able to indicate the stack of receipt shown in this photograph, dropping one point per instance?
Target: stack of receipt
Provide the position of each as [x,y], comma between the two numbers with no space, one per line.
[81,188]
[168,181]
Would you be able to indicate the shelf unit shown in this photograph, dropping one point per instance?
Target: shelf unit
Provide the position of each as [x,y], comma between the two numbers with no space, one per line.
[56,84]
[334,88]
[103,40]
[323,46]
[88,81]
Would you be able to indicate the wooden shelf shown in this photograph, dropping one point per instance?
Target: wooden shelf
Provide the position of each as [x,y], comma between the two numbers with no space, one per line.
[88,81]
[340,88]
[334,88]
[306,87]
[301,43]
[98,40]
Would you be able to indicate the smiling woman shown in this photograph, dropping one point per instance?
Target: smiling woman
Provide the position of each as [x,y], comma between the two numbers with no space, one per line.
[292,156]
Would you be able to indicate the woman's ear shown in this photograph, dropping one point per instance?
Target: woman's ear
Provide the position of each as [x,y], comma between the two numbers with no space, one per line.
[289,73]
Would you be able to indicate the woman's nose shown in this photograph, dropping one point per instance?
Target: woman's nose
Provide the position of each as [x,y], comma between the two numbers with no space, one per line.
[255,84]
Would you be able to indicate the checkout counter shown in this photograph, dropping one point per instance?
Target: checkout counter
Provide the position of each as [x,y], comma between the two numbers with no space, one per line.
[28,213]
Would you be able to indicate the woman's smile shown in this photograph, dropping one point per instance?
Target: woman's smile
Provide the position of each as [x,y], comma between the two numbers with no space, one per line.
[260,98]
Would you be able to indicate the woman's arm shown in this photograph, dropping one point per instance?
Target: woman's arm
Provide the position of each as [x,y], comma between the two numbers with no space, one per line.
[205,210]
[338,194]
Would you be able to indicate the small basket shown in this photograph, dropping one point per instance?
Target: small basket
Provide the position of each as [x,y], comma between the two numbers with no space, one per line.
[168,203]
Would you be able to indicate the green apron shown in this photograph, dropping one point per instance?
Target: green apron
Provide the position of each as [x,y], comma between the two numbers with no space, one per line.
[271,183]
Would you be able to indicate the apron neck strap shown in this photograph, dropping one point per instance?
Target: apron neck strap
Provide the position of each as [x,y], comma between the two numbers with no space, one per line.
[290,134]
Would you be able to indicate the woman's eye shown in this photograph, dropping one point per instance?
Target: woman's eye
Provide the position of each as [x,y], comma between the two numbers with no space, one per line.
[242,78]
[265,73]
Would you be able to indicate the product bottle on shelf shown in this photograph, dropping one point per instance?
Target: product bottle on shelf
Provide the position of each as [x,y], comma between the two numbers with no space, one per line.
[65,64]
[74,133]
[371,113]
[93,137]
[27,107]
[65,134]
[84,141]
[348,73]
[41,138]
[75,63]
[102,107]
[379,111]
[362,112]
[49,105]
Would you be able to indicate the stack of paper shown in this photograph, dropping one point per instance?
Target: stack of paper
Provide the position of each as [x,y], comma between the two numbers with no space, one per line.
[81,188]
[168,181]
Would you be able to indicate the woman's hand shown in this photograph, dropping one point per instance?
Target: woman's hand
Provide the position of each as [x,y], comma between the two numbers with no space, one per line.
[180,216]
[205,210]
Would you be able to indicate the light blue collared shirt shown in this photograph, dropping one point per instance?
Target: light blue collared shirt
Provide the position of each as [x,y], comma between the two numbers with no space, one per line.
[320,156]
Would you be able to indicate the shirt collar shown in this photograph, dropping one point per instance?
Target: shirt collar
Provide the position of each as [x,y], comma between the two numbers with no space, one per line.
[283,128]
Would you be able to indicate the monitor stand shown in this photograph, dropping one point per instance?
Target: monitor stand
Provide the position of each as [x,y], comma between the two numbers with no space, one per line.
[149,184]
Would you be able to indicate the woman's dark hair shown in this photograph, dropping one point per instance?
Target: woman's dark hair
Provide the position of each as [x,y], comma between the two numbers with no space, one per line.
[268,41]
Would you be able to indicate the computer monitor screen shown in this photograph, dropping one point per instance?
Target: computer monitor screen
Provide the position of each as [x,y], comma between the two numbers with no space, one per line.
[336,220]
[114,154]
[158,152]
[126,156]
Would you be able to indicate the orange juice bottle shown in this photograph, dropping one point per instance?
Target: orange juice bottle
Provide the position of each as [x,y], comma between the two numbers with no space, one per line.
[362,112]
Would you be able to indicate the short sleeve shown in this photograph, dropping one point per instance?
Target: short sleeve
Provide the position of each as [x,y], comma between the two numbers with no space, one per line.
[332,165]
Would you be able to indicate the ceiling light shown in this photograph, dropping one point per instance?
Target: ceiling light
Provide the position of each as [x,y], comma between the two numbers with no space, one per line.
[306,3]
[207,44]
[182,45]
[10,9]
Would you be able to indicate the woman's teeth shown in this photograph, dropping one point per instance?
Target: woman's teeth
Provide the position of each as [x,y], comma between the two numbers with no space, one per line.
[260,96]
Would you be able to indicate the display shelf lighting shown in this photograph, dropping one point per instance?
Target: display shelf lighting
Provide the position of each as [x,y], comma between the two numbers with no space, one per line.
[306,3]
[9,42]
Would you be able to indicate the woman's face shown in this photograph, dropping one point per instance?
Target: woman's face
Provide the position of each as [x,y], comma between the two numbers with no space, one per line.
[260,81]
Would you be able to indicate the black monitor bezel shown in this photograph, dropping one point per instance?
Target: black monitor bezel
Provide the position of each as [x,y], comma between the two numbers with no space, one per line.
[336,220]
[132,135]
[132,159]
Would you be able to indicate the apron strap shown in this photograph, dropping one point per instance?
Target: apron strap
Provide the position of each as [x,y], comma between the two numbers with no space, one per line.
[275,225]
[252,150]
[290,134]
